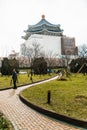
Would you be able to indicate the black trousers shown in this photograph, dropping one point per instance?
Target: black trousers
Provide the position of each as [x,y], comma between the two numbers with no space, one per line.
[14,82]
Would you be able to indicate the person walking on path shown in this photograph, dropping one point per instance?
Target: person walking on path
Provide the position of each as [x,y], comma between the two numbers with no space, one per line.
[14,78]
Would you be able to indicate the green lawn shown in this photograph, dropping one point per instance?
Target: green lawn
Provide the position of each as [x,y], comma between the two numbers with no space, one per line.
[5,81]
[67,97]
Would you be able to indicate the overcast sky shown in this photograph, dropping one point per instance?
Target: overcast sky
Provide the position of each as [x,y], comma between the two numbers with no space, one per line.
[16,15]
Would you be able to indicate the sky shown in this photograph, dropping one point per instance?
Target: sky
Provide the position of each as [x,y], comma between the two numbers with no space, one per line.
[16,15]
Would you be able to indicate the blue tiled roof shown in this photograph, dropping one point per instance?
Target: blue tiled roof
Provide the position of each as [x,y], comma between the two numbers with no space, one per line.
[39,31]
[43,24]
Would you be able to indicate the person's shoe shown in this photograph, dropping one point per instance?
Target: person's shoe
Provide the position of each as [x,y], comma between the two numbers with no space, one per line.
[15,88]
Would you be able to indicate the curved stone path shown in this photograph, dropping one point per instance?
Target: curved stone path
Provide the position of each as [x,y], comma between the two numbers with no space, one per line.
[25,118]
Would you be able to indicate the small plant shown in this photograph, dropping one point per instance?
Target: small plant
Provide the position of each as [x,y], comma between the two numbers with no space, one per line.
[62,79]
[5,124]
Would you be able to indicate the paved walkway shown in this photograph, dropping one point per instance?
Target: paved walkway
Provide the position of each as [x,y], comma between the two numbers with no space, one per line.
[25,118]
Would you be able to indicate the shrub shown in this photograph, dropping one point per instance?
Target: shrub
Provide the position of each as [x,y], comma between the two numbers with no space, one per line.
[8,65]
[39,66]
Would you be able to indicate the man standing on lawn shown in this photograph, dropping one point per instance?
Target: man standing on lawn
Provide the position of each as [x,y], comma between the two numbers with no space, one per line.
[14,78]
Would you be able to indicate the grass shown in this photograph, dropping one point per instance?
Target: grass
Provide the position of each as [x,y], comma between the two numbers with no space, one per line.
[5,124]
[67,97]
[5,81]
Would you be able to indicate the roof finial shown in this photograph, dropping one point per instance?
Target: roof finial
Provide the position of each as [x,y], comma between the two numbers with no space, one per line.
[43,16]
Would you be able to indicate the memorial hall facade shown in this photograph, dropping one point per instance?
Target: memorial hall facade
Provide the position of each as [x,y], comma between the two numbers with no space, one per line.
[50,37]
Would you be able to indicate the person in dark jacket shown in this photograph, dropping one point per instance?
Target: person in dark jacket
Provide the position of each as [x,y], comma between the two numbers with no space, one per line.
[14,78]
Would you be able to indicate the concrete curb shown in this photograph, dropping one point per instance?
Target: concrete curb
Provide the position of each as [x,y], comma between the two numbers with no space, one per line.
[54,115]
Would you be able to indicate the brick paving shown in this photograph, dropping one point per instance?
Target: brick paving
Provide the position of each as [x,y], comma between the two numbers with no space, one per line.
[25,118]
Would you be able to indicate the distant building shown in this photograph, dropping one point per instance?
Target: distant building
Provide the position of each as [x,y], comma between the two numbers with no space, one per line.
[68,46]
[43,27]
[13,55]
[50,37]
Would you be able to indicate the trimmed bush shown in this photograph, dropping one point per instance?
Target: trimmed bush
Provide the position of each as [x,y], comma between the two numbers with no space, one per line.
[8,65]
[40,66]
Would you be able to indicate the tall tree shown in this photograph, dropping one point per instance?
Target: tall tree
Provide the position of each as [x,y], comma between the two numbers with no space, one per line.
[83,51]
[32,51]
